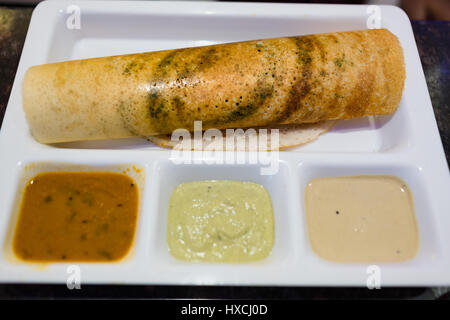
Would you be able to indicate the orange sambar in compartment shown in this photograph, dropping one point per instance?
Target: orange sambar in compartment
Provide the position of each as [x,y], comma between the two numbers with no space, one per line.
[76,216]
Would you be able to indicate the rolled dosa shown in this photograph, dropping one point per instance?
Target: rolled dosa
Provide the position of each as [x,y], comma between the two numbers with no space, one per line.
[292,80]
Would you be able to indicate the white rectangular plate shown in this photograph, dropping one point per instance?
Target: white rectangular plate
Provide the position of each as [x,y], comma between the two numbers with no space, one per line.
[406,144]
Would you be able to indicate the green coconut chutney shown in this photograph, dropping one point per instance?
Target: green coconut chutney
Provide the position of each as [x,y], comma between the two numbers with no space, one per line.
[220,221]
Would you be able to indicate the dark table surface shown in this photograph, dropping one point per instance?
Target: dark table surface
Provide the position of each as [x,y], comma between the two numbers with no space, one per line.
[433,42]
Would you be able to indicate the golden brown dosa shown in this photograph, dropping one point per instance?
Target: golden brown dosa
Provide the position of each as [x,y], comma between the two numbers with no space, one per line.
[293,80]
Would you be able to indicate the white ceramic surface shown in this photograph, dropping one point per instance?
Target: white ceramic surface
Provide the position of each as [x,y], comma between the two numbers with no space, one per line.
[406,144]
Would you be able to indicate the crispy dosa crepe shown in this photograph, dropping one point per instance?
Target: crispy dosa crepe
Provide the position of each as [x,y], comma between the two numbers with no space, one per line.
[289,135]
[291,80]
